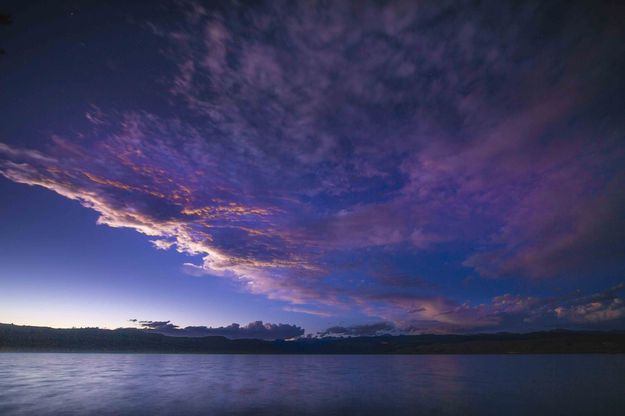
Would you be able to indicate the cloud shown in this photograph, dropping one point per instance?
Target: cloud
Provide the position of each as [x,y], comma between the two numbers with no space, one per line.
[367,330]
[414,315]
[607,306]
[308,311]
[572,310]
[559,227]
[253,330]
[419,314]
[593,311]
[298,137]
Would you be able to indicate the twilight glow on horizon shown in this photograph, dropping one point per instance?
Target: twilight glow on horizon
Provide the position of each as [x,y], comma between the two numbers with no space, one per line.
[338,168]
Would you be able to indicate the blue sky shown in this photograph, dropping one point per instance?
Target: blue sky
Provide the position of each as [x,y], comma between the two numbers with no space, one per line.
[438,168]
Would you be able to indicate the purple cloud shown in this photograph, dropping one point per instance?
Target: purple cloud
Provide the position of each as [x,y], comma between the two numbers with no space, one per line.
[366,330]
[300,135]
[253,330]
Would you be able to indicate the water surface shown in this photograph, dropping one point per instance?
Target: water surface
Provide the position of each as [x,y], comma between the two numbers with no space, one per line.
[170,384]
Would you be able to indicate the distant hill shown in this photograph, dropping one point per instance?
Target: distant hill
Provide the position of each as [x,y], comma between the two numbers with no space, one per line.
[40,339]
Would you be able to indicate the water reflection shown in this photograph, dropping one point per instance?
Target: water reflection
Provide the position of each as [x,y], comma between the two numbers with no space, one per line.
[119,384]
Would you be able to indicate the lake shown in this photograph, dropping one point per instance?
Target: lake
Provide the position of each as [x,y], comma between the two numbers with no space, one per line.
[171,384]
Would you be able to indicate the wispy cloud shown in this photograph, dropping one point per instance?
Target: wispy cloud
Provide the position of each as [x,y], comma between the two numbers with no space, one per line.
[308,311]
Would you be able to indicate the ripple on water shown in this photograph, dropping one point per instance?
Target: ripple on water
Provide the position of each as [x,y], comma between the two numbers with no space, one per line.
[125,384]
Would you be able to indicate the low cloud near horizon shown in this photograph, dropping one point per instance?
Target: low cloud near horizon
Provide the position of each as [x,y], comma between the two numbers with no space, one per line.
[508,312]
[253,330]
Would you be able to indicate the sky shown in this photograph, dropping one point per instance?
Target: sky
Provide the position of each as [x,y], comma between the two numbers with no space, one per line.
[272,169]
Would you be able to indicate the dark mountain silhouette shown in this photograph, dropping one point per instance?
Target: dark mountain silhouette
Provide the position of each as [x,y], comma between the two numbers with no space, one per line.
[39,339]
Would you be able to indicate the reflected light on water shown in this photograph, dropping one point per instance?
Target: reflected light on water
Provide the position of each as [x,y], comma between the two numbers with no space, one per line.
[120,384]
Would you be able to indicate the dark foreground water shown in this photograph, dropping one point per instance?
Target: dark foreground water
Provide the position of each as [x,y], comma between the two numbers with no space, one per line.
[128,384]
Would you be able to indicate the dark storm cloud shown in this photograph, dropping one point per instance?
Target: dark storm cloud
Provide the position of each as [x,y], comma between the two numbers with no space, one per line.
[253,330]
[300,134]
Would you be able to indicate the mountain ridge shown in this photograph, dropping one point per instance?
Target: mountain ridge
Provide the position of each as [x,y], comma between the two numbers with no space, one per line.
[14,338]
